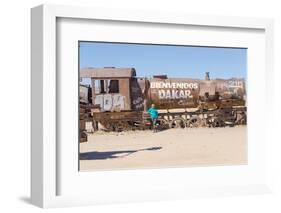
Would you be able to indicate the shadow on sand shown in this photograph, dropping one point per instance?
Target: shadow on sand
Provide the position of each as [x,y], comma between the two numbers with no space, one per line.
[112,154]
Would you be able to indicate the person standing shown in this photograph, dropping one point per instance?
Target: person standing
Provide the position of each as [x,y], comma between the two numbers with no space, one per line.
[153,115]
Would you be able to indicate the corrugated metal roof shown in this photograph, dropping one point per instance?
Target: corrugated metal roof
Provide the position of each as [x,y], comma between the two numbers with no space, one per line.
[107,72]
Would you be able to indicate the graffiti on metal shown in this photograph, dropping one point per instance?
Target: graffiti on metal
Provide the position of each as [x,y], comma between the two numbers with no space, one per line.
[234,84]
[173,85]
[234,87]
[214,102]
[110,102]
[138,103]
[174,90]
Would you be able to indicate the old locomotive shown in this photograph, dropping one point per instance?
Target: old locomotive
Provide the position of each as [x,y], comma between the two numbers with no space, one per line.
[117,99]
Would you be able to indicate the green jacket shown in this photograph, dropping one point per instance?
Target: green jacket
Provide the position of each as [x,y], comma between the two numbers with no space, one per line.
[153,113]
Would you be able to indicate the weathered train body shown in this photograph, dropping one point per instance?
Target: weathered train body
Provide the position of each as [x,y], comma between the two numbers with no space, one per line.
[118,100]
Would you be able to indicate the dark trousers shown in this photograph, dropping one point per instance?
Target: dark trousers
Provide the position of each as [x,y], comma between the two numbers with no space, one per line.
[154,121]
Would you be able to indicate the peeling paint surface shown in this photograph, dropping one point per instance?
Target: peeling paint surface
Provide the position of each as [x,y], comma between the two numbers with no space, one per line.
[110,102]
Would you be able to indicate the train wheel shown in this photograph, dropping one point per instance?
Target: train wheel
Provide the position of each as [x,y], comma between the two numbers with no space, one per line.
[177,123]
[162,124]
[194,121]
[216,122]
[106,125]
[121,126]
[241,119]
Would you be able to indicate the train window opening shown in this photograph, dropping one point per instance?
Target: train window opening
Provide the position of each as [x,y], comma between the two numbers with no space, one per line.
[100,86]
[103,86]
[85,81]
[113,86]
[97,86]
[106,86]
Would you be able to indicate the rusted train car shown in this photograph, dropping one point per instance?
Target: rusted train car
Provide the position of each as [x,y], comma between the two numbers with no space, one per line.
[118,100]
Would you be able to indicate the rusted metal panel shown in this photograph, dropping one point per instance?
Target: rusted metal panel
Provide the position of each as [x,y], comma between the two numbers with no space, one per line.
[83,94]
[207,86]
[173,92]
[83,118]
[119,121]
[114,101]
[124,91]
[137,93]
[187,93]
[103,73]
[110,102]
[231,88]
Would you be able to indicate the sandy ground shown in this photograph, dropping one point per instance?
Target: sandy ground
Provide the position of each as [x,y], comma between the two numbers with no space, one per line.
[169,148]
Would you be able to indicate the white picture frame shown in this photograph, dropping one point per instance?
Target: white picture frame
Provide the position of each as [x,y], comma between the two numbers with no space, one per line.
[45,152]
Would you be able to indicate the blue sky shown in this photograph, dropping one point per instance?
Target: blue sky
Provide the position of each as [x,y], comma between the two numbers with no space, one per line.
[174,61]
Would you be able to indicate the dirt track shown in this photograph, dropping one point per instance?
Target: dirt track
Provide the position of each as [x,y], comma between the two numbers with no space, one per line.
[170,148]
